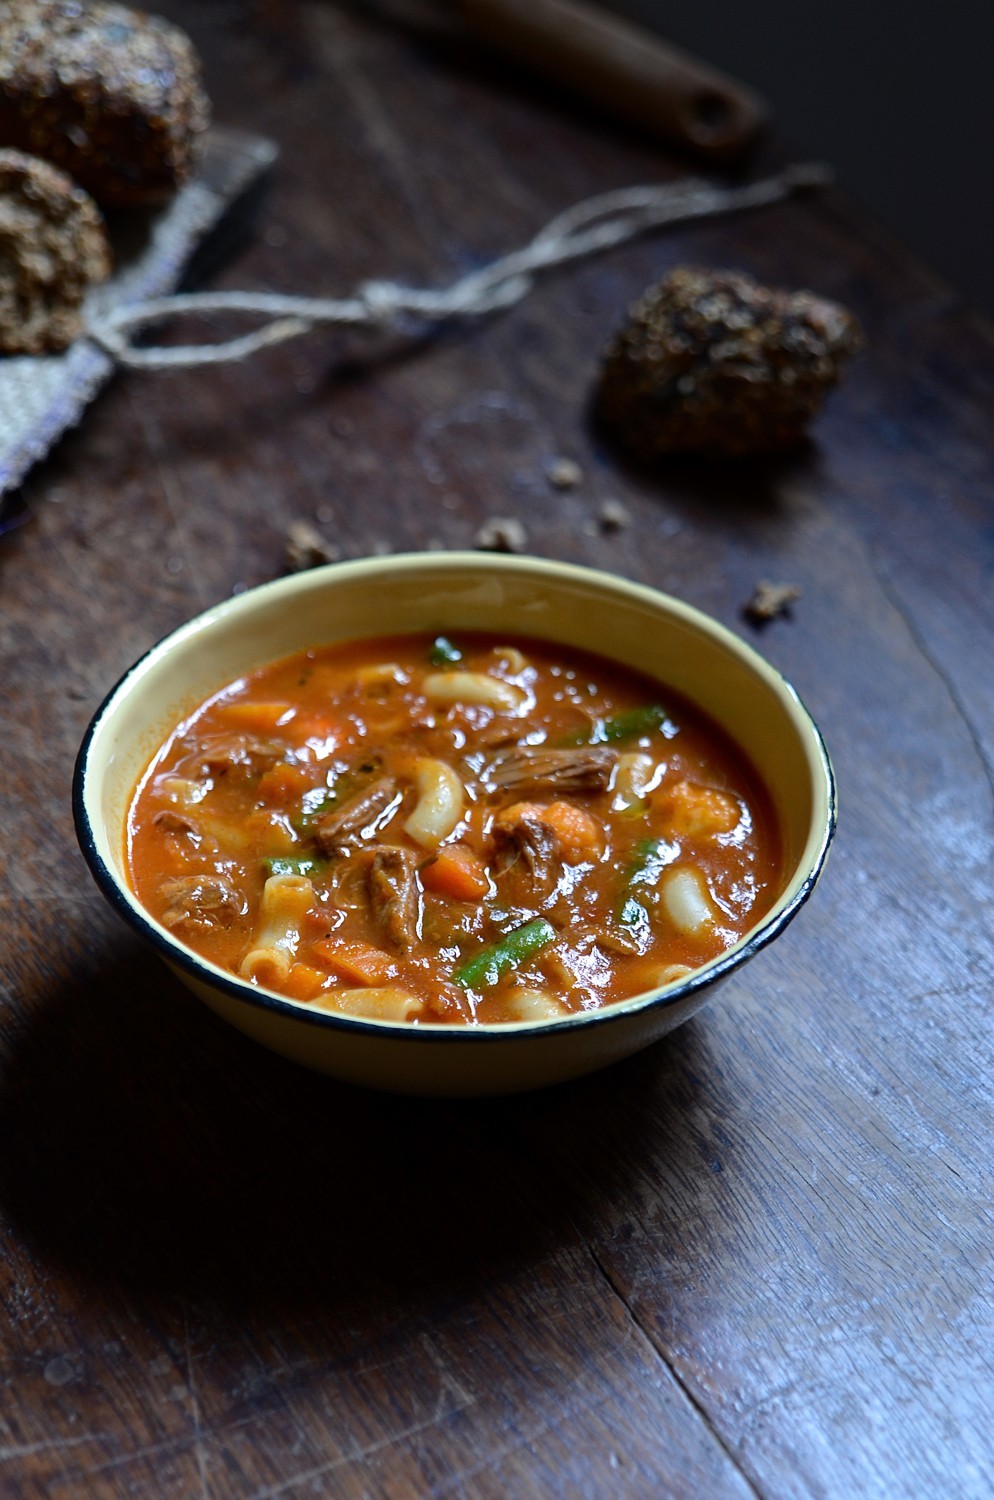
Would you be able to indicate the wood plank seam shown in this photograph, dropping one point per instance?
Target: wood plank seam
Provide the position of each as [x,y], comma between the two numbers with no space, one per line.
[700,1410]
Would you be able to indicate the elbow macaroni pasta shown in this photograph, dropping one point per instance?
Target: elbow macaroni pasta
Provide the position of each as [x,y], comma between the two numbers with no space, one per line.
[687,900]
[286,900]
[473,687]
[375,1003]
[439,808]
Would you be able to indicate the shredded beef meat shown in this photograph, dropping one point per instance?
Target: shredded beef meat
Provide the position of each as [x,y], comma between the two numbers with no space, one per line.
[219,754]
[174,822]
[498,734]
[393,894]
[530,848]
[201,902]
[346,823]
[613,941]
[540,770]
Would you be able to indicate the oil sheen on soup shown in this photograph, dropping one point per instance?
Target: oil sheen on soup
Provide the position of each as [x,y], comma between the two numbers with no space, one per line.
[465,830]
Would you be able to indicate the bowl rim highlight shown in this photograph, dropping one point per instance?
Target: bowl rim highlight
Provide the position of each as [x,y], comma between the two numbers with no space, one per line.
[175,954]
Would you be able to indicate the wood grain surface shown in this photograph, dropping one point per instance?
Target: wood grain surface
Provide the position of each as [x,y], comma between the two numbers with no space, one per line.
[754,1261]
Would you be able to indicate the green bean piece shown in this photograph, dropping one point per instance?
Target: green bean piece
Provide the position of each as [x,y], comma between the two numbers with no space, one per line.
[284,865]
[632,913]
[443,653]
[316,803]
[649,859]
[631,724]
[490,965]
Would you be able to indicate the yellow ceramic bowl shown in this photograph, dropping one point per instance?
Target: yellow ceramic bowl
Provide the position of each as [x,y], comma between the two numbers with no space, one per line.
[449,592]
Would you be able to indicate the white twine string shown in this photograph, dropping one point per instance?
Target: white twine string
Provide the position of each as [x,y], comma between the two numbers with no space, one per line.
[585,229]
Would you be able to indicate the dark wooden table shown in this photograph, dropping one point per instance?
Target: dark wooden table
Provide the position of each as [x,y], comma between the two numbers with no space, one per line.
[754,1261]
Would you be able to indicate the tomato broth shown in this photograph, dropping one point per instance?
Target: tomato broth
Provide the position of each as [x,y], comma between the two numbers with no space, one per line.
[468,830]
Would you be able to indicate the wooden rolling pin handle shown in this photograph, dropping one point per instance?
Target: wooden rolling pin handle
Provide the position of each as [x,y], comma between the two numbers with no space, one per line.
[625,69]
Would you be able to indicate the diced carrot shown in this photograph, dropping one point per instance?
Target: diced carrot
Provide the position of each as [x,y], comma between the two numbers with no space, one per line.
[359,962]
[263,829]
[255,718]
[303,982]
[284,785]
[457,872]
[445,1001]
[519,810]
[316,726]
[577,830]
[314,923]
[692,811]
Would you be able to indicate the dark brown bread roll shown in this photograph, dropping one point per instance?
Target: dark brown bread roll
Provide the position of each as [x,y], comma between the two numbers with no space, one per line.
[53,247]
[712,362]
[110,95]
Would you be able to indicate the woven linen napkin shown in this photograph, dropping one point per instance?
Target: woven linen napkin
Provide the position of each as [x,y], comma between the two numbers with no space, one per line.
[43,395]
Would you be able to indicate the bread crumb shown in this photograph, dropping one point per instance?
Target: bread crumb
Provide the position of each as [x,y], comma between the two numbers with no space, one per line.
[307,548]
[501,534]
[613,516]
[769,600]
[564,474]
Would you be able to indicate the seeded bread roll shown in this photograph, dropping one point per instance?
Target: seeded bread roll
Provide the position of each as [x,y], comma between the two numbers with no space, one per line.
[712,362]
[53,247]
[110,95]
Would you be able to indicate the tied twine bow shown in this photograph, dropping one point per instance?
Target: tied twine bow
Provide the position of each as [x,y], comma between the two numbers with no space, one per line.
[585,229]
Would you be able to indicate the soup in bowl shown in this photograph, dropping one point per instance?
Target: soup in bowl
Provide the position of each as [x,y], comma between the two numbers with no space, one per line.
[454,824]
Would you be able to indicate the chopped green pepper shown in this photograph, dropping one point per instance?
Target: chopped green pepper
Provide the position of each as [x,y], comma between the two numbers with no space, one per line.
[317,802]
[649,858]
[490,965]
[284,865]
[631,724]
[443,653]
